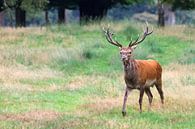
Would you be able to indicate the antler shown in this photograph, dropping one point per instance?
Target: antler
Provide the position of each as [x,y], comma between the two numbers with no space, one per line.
[138,40]
[109,37]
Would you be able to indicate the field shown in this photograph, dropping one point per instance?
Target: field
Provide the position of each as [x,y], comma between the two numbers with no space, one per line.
[70,77]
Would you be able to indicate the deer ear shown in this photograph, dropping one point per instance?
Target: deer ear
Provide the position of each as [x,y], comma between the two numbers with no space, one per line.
[134,47]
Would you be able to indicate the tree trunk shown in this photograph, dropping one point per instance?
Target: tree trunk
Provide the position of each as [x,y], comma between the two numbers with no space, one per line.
[1,18]
[61,15]
[161,13]
[20,16]
[92,10]
[46,17]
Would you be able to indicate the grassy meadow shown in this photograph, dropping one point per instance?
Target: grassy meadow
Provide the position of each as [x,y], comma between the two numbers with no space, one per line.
[70,77]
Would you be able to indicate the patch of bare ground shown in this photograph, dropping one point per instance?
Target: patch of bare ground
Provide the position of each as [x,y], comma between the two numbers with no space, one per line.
[31,116]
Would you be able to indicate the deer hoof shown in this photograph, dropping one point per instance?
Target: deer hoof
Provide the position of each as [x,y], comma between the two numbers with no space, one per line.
[124,113]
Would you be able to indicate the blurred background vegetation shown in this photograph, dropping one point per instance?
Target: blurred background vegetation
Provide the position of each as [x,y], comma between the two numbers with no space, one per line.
[43,12]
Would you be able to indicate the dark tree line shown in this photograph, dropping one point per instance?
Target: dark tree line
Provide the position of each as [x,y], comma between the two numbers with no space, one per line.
[21,7]
[89,9]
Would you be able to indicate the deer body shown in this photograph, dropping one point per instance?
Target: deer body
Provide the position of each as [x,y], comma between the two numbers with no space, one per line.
[138,74]
[143,73]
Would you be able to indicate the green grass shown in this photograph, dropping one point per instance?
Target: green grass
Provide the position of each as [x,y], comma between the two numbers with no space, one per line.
[114,119]
[43,82]
[165,49]
[18,102]
[73,71]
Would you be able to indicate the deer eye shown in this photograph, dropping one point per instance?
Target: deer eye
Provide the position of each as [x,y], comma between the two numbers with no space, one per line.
[129,52]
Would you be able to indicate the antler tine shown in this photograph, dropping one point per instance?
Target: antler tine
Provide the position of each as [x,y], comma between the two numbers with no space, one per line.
[104,29]
[131,41]
[132,44]
[109,37]
[146,33]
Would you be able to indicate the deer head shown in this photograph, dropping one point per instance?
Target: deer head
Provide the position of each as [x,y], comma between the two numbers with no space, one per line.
[126,52]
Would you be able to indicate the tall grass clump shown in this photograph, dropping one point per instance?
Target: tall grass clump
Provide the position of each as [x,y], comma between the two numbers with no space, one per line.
[188,56]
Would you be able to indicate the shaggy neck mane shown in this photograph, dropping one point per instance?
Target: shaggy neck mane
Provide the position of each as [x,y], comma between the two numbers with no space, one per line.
[130,65]
[130,68]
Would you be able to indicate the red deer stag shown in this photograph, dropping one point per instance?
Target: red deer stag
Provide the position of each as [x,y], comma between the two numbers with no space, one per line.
[139,74]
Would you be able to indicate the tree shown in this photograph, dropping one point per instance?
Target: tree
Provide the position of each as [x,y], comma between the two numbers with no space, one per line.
[23,6]
[176,4]
[61,5]
[1,5]
[89,9]
[92,10]
[183,4]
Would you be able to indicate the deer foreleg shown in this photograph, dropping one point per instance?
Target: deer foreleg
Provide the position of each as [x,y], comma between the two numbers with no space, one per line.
[124,101]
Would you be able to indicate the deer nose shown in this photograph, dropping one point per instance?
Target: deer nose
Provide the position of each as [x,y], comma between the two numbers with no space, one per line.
[124,57]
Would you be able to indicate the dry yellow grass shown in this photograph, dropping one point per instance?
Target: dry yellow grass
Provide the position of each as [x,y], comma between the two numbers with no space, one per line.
[179,81]
[12,35]
[31,116]
[10,77]
[183,32]
[81,81]
[9,74]
[178,96]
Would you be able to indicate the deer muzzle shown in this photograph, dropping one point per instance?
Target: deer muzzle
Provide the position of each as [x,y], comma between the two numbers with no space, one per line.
[124,58]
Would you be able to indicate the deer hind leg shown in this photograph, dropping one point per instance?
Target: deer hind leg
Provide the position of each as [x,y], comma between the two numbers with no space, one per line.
[140,99]
[160,91]
[150,97]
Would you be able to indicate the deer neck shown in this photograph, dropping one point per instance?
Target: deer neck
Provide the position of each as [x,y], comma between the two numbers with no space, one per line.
[130,68]
[131,73]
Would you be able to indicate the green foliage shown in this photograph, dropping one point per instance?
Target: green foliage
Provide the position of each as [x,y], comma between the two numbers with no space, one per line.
[69,4]
[185,5]
[27,5]
[176,4]
[181,4]
[126,2]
